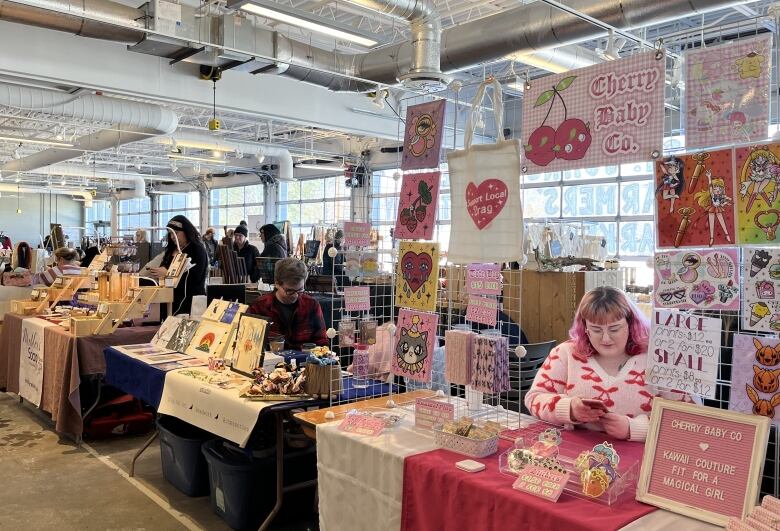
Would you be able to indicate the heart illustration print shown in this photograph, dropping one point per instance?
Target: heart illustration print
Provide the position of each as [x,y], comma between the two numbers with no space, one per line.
[417,275]
[486,201]
[416,269]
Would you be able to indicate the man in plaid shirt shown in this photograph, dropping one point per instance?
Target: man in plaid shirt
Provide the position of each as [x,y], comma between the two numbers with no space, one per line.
[294,314]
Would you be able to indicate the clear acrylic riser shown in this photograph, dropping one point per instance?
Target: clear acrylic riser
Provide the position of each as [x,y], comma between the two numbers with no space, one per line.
[624,487]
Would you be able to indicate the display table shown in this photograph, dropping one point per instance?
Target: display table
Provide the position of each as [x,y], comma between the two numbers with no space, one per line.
[10,293]
[66,358]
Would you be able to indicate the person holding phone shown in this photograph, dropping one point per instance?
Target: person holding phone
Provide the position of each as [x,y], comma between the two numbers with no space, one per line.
[597,378]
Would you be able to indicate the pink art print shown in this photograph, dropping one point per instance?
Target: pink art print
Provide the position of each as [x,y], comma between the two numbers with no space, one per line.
[704,279]
[417,206]
[695,199]
[607,114]
[755,376]
[357,234]
[727,92]
[415,339]
[760,289]
[702,462]
[758,193]
[482,310]
[483,279]
[422,135]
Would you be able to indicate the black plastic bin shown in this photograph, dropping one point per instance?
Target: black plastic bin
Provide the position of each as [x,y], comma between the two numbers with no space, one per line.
[183,463]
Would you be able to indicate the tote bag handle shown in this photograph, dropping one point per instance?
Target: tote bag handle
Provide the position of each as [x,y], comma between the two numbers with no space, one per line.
[476,103]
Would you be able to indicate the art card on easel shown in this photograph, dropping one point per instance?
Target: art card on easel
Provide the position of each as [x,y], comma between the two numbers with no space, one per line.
[209,340]
[417,206]
[727,92]
[423,134]
[758,199]
[415,340]
[417,275]
[248,344]
[183,335]
[703,279]
[761,289]
[695,200]
[755,376]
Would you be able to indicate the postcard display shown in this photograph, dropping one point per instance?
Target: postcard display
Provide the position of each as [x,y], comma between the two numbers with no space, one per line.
[716,290]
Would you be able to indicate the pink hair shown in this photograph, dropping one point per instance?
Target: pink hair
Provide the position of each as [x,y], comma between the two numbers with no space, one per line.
[603,306]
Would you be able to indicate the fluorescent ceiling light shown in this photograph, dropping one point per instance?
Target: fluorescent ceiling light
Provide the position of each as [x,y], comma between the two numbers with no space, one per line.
[198,159]
[23,140]
[322,167]
[166,192]
[310,25]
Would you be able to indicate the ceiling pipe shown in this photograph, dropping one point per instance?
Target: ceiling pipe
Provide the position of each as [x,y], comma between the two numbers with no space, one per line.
[53,190]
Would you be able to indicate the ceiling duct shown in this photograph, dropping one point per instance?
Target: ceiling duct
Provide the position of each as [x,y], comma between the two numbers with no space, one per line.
[86,196]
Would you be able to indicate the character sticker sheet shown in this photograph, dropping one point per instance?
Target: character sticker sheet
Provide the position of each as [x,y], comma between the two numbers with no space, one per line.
[703,279]
[755,376]
[417,206]
[727,92]
[760,289]
[695,199]
[423,134]
[417,275]
[758,199]
[415,339]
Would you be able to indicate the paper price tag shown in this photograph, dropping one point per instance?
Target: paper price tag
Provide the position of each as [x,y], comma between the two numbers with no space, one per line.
[541,482]
[357,234]
[428,413]
[357,298]
[482,310]
[362,425]
[483,279]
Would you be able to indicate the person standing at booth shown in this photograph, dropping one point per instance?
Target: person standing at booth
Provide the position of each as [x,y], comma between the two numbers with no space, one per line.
[247,252]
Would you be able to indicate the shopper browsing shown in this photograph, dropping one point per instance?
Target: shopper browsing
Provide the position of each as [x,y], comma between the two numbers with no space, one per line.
[247,252]
[275,245]
[211,245]
[293,313]
[66,262]
[597,378]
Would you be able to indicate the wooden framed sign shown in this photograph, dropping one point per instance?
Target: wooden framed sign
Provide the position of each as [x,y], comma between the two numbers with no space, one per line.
[702,462]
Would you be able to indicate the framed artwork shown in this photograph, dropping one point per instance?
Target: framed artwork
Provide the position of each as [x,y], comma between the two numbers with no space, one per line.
[704,279]
[209,340]
[702,462]
[760,289]
[415,339]
[758,199]
[727,92]
[755,376]
[247,347]
[695,199]
[183,335]
[417,206]
[417,275]
[423,134]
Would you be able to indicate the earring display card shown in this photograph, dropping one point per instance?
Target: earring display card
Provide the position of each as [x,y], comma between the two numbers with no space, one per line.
[417,275]
[697,279]
[490,364]
[760,289]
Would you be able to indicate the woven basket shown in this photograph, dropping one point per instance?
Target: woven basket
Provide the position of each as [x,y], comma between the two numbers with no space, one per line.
[464,445]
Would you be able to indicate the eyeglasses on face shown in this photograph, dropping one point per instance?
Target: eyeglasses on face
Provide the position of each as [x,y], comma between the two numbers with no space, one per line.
[611,331]
[293,291]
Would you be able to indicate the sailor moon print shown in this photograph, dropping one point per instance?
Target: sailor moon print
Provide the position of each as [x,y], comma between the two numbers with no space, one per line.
[415,339]
[422,137]
[758,200]
[417,275]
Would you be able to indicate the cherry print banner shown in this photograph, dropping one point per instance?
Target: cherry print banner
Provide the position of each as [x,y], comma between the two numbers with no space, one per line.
[422,137]
[417,206]
[603,115]
[695,199]
[727,92]
[755,376]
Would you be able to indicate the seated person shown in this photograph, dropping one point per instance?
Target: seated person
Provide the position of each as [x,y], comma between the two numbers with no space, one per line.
[597,378]
[294,314]
[66,262]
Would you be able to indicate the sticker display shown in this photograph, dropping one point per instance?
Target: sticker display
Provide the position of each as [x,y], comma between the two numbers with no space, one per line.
[760,287]
[417,275]
[423,134]
[415,339]
[758,199]
[755,376]
[697,279]
[417,206]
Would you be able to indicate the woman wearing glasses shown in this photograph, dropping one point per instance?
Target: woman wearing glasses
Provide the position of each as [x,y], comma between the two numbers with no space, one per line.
[294,314]
[597,378]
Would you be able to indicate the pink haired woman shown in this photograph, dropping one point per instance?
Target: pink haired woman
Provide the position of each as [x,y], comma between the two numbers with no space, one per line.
[597,378]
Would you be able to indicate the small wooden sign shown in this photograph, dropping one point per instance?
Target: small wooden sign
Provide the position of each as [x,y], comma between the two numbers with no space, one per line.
[702,462]
[541,482]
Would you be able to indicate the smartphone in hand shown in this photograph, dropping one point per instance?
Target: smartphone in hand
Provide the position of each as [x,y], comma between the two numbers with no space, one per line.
[595,404]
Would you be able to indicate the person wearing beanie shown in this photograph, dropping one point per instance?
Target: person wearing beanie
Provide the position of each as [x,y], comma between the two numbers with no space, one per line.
[274,241]
[246,251]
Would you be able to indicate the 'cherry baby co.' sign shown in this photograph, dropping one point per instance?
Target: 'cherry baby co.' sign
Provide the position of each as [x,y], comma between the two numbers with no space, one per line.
[608,114]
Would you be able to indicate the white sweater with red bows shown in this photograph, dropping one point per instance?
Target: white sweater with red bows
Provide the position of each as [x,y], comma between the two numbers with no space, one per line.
[567,374]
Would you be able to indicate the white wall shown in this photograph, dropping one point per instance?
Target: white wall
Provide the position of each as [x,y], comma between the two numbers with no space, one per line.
[38,210]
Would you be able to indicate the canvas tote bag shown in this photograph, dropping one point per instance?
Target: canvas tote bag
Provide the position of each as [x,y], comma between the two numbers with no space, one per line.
[487,215]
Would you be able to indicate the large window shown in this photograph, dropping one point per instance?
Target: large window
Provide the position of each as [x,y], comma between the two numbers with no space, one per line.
[228,206]
[315,202]
[169,205]
[134,213]
[99,211]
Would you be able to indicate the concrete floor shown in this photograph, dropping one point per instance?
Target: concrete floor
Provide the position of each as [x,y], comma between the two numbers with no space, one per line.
[47,482]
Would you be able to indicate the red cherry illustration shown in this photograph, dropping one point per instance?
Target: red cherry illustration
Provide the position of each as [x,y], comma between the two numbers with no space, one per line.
[539,149]
[572,139]
[420,212]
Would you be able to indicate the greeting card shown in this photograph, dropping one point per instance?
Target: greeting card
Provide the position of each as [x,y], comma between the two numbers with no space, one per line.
[755,376]
[417,206]
[758,199]
[415,339]
[224,311]
[208,340]
[166,331]
[422,136]
[417,275]
[697,279]
[695,199]
[248,344]
[760,289]
[183,335]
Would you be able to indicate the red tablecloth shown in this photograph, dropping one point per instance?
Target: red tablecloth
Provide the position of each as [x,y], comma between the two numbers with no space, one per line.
[437,495]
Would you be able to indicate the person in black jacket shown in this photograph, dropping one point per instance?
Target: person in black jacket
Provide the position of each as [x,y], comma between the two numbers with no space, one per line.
[275,244]
[247,251]
[192,281]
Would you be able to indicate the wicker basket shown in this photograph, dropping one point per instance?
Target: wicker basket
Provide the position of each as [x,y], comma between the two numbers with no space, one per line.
[322,380]
[464,445]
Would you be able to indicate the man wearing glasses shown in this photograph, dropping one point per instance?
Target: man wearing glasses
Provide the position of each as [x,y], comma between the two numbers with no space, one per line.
[294,314]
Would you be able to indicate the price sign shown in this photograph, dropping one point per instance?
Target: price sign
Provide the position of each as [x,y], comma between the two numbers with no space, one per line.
[362,425]
[482,310]
[541,482]
[357,298]
[684,352]
[428,413]
[357,234]
[483,279]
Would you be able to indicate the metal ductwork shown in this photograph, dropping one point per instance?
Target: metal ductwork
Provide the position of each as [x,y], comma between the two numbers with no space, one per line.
[131,121]
[58,191]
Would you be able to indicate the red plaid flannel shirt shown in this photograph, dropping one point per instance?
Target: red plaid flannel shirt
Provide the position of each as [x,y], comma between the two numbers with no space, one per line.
[307,326]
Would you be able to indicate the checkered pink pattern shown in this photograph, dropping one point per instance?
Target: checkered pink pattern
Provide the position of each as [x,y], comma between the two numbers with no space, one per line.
[607,114]
[727,93]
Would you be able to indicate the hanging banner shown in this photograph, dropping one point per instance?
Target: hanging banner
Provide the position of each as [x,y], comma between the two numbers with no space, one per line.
[758,193]
[704,279]
[727,92]
[684,352]
[695,199]
[755,376]
[417,275]
[603,115]
[31,359]
[422,136]
[417,206]
[761,289]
